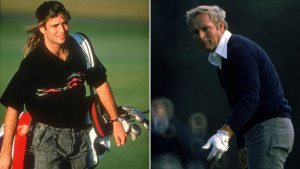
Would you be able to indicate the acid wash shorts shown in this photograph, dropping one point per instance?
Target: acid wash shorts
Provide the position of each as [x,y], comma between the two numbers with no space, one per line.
[61,148]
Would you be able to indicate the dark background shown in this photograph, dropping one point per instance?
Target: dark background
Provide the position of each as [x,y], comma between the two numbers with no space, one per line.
[181,72]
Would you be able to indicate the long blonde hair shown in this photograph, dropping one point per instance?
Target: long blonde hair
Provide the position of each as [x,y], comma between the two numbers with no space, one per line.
[34,40]
[44,12]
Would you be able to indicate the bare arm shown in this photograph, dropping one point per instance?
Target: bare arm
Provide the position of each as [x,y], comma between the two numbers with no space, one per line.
[108,101]
[10,126]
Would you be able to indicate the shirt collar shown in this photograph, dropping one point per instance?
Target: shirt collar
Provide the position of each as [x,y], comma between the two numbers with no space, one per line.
[221,50]
[222,46]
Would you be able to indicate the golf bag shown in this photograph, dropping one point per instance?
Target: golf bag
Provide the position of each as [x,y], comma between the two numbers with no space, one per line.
[21,155]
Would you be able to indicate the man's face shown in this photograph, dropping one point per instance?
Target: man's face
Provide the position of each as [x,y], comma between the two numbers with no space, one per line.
[56,30]
[198,125]
[160,119]
[205,32]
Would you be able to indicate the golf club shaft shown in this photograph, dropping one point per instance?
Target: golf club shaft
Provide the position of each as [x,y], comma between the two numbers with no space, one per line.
[212,162]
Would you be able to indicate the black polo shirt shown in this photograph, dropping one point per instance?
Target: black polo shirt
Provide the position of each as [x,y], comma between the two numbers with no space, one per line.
[53,90]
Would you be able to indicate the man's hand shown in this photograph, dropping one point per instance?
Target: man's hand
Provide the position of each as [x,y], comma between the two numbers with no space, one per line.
[219,141]
[108,101]
[119,133]
[5,161]
[243,158]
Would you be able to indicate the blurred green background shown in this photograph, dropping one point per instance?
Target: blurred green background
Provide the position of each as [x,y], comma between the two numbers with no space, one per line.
[119,31]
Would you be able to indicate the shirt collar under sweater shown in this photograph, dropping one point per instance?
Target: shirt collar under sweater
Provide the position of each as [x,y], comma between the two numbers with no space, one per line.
[215,58]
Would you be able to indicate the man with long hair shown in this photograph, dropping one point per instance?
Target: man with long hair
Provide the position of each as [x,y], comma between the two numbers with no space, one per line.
[50,83]
[260,114]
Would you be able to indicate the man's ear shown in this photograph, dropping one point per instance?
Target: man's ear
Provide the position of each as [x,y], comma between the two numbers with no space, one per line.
[221,25]
[42,29]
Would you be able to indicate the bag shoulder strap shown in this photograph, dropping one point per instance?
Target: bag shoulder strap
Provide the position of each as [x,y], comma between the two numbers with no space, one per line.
[86,47]
[95,112]
[88,52]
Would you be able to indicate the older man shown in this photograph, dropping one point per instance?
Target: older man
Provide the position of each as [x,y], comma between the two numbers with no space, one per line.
[260,114]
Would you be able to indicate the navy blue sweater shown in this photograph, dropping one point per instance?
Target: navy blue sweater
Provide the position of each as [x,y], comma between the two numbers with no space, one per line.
[252,86]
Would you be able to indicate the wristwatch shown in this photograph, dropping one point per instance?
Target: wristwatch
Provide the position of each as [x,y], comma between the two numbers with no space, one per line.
[117,119]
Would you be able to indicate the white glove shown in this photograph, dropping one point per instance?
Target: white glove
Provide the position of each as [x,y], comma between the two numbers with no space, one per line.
[219,141]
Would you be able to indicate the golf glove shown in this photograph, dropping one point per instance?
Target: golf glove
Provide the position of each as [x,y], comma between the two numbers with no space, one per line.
[219,143]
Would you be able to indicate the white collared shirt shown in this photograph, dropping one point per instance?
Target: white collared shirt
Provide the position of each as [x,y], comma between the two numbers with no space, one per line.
[215,58]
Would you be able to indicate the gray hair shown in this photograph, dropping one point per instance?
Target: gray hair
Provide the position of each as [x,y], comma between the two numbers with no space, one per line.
[215,13]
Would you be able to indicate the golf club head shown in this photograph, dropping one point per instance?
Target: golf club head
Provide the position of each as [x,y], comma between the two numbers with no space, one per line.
[126,125]
[139,116]
[126,111]
[128,108]
[136,130]
[146,124]
[132,136]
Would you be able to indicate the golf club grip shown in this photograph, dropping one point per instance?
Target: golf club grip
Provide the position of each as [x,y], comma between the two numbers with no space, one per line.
[212,162]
